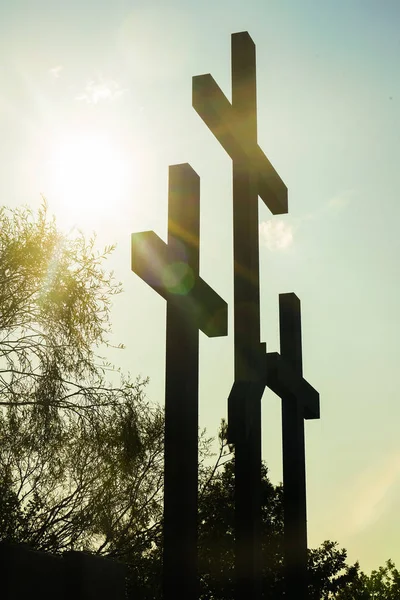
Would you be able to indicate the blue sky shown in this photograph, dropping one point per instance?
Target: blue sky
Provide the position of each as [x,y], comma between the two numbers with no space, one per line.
[95,103]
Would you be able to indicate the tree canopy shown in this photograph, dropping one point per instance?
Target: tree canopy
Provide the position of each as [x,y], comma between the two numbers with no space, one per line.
[80,455]
[382,584]
[327,566]
[55,304]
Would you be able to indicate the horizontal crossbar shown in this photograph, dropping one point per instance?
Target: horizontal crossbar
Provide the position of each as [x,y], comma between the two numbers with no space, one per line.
[218,114]
[151,257]
[283,380]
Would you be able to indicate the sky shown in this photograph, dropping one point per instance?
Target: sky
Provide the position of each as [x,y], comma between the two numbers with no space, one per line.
[95,104]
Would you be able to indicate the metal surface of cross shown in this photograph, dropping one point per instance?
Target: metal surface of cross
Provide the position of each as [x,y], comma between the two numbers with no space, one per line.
[235,127]
[172,269]
[284,376]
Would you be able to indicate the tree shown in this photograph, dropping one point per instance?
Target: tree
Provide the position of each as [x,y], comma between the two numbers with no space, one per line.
[55,301]
[80,455]
[328,571]
[94,486]
[382,584]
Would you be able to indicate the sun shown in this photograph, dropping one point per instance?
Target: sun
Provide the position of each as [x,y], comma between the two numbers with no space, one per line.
[88,174]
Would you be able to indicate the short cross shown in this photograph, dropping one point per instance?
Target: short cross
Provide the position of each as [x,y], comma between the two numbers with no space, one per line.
[173,271]
[299,401]
[235,127]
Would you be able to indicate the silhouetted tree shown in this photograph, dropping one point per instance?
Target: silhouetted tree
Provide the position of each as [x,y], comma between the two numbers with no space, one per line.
[80,455]
[328,571]
[381,584]
[55,300]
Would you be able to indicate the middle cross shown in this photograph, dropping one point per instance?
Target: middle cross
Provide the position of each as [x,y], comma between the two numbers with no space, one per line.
[235,127]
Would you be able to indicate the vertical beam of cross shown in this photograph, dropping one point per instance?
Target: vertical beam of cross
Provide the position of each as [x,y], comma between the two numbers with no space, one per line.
[172,269]
[247,328]
[235,127]
[299,401]
[245,212]
[293,454]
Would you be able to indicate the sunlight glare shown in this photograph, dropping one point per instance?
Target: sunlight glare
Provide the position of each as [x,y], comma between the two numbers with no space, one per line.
[88,176]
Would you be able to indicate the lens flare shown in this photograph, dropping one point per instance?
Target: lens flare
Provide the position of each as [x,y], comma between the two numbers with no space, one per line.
[178,278]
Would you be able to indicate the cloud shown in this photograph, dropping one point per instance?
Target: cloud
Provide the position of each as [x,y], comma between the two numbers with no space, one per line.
[56,71]
[366,497]
[373,492]
[329,208]
[341,199]
[99,91]
[276,234]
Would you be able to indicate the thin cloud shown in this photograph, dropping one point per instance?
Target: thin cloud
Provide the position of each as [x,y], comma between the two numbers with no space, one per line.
[56,71]
[100,91]
[367,497]
[337,203]
[341,200]
[276,234]
[374,491]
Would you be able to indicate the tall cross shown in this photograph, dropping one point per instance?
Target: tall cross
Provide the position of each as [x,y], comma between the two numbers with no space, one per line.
[172,269]
[235,127]
[299,401]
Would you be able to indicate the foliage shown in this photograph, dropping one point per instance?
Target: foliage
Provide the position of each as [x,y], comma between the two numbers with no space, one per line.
[55,300]
[328,571]
[382,584]
[95,486]
[80,458]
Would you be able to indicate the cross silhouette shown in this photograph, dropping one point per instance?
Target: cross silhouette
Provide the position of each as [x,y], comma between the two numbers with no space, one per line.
[172,269]
[235,127]
[284,376]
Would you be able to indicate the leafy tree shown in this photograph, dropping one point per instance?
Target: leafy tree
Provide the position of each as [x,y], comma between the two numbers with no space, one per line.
[328,571]
[382,584]
[80,456]
[97,485]
[55,300]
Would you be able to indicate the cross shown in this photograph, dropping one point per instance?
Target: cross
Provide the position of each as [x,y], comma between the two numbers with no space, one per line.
[299,401]
[172,269]
[235,127]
